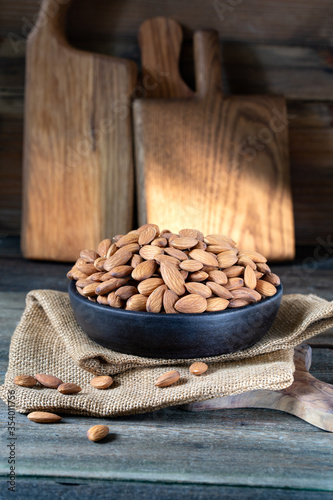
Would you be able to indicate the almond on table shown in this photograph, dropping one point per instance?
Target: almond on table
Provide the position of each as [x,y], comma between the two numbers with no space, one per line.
[159,271]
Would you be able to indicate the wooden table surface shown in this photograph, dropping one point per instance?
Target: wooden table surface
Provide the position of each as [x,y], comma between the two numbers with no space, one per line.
[170,453]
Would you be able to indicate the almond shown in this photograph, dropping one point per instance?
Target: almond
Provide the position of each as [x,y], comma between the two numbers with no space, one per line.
[247,294]
[142,228]
[216,304]
[155,300]
[83,283]
[48,380]
[97,276]
[121,271]
[125,292]
[127,239]
[43,417]
[244,260]
[146,287]
[254,256]
[90,290]
[191,265]
[136,303]
[188,233]
[160,242]
[97,432]
[250,278]
[219,290]
[103,247]
[117,237]
[265,288]
[120,258]
[136,260]
[169,300]
[176,253]
[103,300]
[144,270]
[114,300]
[198,368]
[218,248]
[172,278]
[112,250]
[184,243]
[200,246]
[101,382]
[184,274]
[191,304]
[89,255]
[258,275]
[99,263]
[110,285]
[131,247]
[217,239]
[198,276]
[227,259]
[69,388]
[78,275]
[147,235]
[272,278]
[149,252]
[86,268]
[199,288]
[263,268]
[25,380]
[168,379]
[218,276]
[204,257]
[234,283]
[238,303]
[233,271]
[168,258]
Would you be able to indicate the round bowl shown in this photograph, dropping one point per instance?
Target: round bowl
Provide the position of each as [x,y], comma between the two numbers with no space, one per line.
[174,336]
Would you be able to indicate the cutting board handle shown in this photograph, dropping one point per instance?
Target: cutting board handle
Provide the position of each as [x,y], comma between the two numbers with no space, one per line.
[52,17]
[160,42]
[207,56]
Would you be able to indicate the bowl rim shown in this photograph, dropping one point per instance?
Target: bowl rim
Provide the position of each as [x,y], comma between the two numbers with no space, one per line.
[174,317]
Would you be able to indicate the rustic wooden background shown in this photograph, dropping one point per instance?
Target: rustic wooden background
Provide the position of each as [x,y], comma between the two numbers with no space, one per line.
[271,47]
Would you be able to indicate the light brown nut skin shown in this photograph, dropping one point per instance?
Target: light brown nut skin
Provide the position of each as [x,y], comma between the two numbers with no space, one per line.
[97,432]
[215,304]
[169,300]
[101,382]
[238,303]
[198,368]
[25,380]
[43,417]
[265,288]
[168,378]
[49,381]
[191,304]
[69,388]
[136,303]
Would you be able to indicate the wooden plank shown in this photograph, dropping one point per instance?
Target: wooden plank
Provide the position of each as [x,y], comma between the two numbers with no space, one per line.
[251,20]
[79,489]
[283,451]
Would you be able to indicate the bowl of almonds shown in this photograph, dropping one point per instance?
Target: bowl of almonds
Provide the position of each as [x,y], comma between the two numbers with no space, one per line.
[159,294]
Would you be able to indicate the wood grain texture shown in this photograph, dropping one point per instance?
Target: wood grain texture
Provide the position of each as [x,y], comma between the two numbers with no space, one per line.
[167,454]
[214,163]
[277,21]
[78,172]
[307,398]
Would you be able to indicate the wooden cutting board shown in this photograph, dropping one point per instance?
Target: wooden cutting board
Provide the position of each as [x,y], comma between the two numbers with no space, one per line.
[78,168]
[203,160]
[307,398]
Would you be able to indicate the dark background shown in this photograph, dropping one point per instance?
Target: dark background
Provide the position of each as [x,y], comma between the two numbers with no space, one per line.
[269,47]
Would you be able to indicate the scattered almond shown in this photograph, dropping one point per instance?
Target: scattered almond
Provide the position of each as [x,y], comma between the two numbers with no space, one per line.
[97,432]
[101,382]
[43,417]
[168,379]
[25,380]
[69,388]
[198,368]
[49,381]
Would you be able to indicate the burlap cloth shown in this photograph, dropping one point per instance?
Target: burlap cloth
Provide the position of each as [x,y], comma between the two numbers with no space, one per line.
[48,340]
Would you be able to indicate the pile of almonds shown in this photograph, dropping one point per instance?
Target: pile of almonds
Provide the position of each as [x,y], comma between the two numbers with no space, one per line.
[159,271]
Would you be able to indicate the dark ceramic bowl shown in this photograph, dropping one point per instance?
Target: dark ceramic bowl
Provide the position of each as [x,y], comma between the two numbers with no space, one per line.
[175,335]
